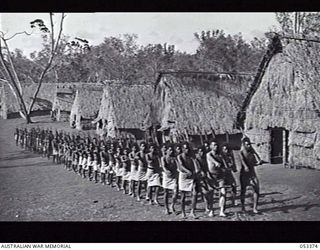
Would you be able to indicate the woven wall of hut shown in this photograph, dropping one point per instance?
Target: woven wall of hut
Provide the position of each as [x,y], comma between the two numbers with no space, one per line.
[288,97]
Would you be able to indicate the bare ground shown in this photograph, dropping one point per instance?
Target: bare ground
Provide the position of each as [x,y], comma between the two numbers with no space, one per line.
[34,189]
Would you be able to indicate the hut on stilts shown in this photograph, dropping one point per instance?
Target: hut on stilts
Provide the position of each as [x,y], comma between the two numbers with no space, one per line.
[124,110]
[281,114]
[199,106]
[85,106]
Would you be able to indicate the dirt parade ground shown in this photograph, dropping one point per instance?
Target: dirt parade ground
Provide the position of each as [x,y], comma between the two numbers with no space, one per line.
[34,189]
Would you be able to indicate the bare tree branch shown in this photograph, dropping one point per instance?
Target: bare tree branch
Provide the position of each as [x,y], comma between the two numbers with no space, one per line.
[52,31]
[48,64]
[17,81]
[4,80]
[60,31]
[14,88]
[18,33]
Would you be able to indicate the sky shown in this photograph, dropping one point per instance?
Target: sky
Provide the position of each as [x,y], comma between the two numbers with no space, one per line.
[173,28]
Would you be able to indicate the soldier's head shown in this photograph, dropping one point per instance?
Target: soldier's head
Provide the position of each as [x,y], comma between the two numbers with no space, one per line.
[125,151]
[178,149]
[206,146]
[164,148]
[225,148]
[134,148]
[186,148]
[142,146]
[170,150]
[246,143]
[152,148]
[214,145]
[200,151]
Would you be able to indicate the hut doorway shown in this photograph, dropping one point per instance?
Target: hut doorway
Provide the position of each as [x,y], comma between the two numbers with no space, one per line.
[279,145]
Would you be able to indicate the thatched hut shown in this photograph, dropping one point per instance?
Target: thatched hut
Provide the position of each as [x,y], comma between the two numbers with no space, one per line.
[198,106]
[124,109]
[63,100]
[85,106]
[282,117]
[43,105]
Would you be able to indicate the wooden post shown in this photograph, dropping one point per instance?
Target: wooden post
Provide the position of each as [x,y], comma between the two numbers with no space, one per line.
[146,136]
[200,133]
[213,133]
[155,136]
[201,139]
[163,137]
[284,145]
[205,135]
[270,145]
[227,137]
[186,133]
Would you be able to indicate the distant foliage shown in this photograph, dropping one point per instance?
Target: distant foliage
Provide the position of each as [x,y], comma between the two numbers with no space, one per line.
[299,23]
[122,58]
[221,52]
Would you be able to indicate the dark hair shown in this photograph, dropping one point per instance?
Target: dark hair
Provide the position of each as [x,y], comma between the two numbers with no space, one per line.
[213,140]
[225,145]
[185,144]
[164,145]
[246,139]
[200,148]
[169,145]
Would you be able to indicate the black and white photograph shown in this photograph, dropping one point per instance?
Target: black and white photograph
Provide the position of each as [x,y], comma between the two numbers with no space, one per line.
[115,117]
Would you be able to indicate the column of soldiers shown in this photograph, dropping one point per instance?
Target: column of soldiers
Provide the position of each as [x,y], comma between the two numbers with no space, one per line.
[206,171]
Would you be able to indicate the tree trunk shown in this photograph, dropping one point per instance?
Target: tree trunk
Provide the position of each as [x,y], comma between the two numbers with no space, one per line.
[28,119]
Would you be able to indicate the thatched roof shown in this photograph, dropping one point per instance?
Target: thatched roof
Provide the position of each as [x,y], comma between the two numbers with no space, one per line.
[64,96]
[44,100]
[45,97]
[200,102]
[125,105]
[87,101]
[289,92]
[51,95]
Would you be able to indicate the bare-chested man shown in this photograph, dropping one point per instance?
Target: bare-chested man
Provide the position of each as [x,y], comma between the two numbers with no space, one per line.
[216,175]
[142,169]
[231,168]
[153,174]
[170,177]
[134,163]
[201,179]
[186,169]
[104,163]
[249,159]
[125,161]
[112,162]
